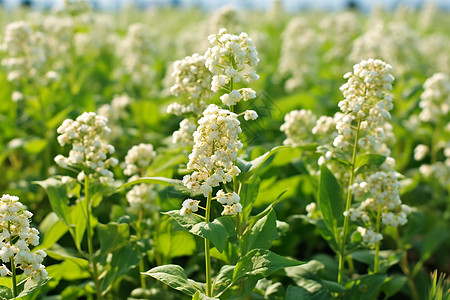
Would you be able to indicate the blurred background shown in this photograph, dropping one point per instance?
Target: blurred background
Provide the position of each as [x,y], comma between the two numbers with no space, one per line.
[290,5]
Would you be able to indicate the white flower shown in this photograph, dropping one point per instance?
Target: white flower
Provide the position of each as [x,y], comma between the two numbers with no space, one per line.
[189,206]
[138,158]
[216,143]
[232,209]
[183,136]
[420,152]
[250,115]
[14,220]
[230,57]
[435,99]
[87,135]
[192,78]
[297,126]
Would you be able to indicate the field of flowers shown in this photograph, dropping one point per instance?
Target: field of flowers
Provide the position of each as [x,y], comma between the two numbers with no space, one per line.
[183,154]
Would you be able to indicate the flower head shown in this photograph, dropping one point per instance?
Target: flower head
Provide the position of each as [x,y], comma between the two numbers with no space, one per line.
[90,150]
[216,143]
[16,236]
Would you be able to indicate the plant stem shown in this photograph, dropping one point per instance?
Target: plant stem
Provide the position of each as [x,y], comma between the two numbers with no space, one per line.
[13,266]
[207,251]
[89,238]
[405,267]
[347,205]
[377,244]
[141,261]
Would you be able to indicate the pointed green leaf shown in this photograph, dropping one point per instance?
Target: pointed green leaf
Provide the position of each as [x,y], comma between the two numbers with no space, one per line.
[174,276]
[261,234]
[178,184]
[57,194]
[112,236]
[367,160]
[187,221]
[330,200]
[261,263]
[122,261]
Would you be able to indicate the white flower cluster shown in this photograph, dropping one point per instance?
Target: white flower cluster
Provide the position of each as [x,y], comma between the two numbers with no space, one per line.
[420,152]
[87,135]
[16,236]
[440,170]
[230,202]
[225,17]
[297,126]
[216,143]
[142,198]
[192,78]
[183,136]
[299,53]
[137,53]
[25,56]
[435,99]
[189,206]
[138,159]
[367,100]
[369,236]
[115,112]
[232,59]
[380,188]
[339,29]
[394,42]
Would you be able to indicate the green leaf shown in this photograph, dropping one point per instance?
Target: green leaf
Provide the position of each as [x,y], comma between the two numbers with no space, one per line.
[200,296]
[35,145]
[307,275]
[261,234]
[52,229]
[368,160]
[332,286]
[5,292]
[330,200]
[261,263]
[393,285]
[178,184]
[174,276]
[187,221]
[112,236]
[212,231]
[366,287]
[249,168]
[57,194]
[122,261]
[169,243]
[67,270]
[31,286]
[224,278]
[299,293]
[249,193]
[216,231]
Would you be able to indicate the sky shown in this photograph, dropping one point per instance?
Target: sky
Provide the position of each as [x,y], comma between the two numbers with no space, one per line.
[253,4]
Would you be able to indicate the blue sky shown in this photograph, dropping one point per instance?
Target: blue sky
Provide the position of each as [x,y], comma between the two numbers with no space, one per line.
[258,4]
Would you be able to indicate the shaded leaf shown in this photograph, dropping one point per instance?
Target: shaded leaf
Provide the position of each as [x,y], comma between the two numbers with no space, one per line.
[261,263]
[330,200]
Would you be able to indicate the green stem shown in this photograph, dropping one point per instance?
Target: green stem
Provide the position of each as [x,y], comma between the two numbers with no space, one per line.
[89,238]
[377,244]
[348,205]
[13,266]
[207,251]
[141,261]
[405,267]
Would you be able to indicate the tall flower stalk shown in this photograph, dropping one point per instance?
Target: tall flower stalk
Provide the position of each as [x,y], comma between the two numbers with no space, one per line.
[90,153]
[363,129]
[216,143]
